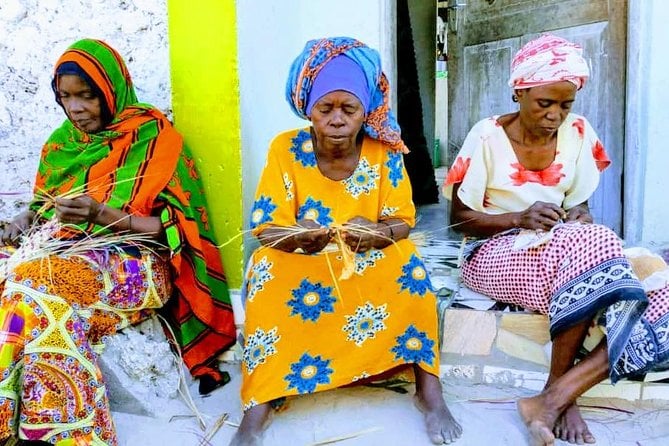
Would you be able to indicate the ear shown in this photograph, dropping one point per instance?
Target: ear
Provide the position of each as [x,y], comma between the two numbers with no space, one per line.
[521,92]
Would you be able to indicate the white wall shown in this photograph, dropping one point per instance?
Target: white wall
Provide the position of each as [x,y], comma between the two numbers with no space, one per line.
[33,34]
[270,37]
[650,34]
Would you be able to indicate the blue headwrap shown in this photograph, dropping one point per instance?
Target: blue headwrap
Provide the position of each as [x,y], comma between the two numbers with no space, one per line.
[380,122]
[341,73]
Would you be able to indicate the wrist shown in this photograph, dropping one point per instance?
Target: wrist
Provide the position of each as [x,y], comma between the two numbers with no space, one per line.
[97,213]
[385,233]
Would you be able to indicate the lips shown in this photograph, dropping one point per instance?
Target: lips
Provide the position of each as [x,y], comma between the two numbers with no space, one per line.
[83,123]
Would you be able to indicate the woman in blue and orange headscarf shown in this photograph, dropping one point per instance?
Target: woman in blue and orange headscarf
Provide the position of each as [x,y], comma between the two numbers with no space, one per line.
[322,315]
[115,166]
[519,188]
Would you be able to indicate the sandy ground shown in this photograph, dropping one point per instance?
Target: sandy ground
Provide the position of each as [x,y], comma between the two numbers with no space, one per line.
[371,417]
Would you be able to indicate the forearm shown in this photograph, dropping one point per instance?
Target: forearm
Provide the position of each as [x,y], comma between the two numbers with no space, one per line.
[479,224]
[279,238]
[390,230]
[120,221]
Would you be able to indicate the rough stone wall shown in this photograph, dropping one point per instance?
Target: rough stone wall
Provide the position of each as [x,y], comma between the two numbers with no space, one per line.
[33,34]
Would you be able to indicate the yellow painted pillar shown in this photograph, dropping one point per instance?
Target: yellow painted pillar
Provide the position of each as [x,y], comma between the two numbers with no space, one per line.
[205,100]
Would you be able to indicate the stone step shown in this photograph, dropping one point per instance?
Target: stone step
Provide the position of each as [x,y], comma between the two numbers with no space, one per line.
[513,349]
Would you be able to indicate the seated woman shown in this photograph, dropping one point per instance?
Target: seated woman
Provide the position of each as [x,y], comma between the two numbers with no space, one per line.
[520,184]
[117,227]
[319,318]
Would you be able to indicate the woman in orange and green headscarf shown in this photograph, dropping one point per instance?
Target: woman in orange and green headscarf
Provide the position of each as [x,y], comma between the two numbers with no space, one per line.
[114,167]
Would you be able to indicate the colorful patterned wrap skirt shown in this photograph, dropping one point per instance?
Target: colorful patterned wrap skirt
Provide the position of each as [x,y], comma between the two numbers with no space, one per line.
[306,331]
[580,273]
[55,313]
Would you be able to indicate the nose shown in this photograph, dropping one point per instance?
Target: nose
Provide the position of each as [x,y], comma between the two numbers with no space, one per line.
[73,105]
[337,118]
[554,113]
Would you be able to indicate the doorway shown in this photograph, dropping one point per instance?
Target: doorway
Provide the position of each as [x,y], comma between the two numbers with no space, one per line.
[484,35]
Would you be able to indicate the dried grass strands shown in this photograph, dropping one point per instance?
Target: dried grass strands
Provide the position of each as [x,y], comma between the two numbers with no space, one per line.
[50,199]
[39,242]
[346,436]
[183,386]
[347,256]
[13,194]
[206,440]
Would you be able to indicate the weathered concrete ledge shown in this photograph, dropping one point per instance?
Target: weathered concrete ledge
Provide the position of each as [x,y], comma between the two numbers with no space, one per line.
[513,349]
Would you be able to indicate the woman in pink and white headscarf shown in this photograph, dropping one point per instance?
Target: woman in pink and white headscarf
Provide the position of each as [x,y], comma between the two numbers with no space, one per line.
[519,188]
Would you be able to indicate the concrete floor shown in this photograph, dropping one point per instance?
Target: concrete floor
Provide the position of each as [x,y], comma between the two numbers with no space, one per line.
[366,416]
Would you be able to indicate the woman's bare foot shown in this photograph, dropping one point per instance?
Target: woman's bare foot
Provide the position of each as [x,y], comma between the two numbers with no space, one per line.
[571,427]
[253,424]
[539,418]
[441,426]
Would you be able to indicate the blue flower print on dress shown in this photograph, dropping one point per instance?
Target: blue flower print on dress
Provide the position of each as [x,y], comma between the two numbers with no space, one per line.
[314,210]
[363,180]
[414,277]
[395,165]
[414,346]
[262,211]
[308,372]
[310,300]
[303,149]
[251,404]
[365,323]
[367,259]
[388,211]
[260,275]
[288,186]
[259,346]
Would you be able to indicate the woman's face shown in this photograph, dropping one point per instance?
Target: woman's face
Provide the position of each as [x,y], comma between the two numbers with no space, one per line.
[337,118]
[81,105]
[544,108]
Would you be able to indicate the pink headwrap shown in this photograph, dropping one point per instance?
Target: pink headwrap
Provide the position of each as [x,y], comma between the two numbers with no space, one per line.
[548,59]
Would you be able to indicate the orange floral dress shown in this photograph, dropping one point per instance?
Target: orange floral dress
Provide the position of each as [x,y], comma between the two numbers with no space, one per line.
[308,330]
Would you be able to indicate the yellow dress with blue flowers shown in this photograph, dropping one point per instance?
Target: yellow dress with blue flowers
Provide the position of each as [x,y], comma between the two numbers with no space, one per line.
[307,330]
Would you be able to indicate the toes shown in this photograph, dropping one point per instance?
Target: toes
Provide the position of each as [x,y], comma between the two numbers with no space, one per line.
[540,434]
[438,438]
[588,438]
[445,436]
[573,437]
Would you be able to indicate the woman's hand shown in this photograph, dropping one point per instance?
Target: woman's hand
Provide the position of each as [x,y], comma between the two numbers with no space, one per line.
[313,240]
[541,216]
[580,213]
[362,235]
[81,209]
[10,234]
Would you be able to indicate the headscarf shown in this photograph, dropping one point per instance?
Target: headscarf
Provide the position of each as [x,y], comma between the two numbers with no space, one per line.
[341,73]
[546,60]
[138,163]
[380,122]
